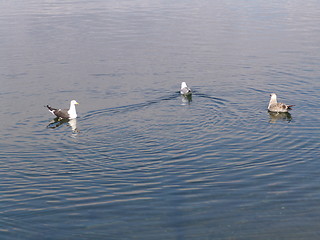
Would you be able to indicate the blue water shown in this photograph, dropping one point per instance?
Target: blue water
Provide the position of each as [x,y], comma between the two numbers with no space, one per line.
[140,161]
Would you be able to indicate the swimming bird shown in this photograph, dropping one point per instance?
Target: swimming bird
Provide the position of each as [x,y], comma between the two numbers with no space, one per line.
[185,90]
[274,106]
[65,113]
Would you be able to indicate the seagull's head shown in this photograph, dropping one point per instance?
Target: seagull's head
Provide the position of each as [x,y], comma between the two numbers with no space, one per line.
[74,102]
[273,97]
[183,85]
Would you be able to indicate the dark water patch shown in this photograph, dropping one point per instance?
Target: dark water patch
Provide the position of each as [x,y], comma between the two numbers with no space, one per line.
[128,108]
[213,99]
[101,75]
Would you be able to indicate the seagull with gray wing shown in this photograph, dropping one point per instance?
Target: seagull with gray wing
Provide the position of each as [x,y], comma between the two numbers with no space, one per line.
[65,113]
[274,106]
[185,90]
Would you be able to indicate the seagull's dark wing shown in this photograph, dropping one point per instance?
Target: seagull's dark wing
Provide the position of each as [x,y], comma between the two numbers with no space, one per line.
[61,113]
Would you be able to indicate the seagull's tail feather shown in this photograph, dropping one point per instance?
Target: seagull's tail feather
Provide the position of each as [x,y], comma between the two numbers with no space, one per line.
[289,107]
[51,109]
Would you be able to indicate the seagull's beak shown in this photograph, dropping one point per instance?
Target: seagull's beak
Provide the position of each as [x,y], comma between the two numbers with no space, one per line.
[76,103]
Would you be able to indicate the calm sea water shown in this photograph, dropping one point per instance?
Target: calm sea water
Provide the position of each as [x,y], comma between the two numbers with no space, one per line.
[141,162]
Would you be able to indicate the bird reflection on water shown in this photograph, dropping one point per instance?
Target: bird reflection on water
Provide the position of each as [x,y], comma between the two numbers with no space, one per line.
[284,116]
[57,122]
[186,99]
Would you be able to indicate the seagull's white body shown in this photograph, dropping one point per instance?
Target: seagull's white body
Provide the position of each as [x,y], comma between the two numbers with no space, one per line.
[70,113]
[274,106]
[185,90]
[72,110]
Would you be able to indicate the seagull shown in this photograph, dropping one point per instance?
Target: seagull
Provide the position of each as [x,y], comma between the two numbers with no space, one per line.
[185,90]
[274,106]
[65,113]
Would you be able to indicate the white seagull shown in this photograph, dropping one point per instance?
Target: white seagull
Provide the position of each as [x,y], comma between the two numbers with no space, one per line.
[185,90]
[65,113]
[274,106]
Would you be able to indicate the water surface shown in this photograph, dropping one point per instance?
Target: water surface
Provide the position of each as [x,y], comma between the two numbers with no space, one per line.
[140,161]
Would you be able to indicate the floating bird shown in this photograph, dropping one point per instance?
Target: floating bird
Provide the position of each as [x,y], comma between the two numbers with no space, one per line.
[274,106]
[185,90]
[65,113]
